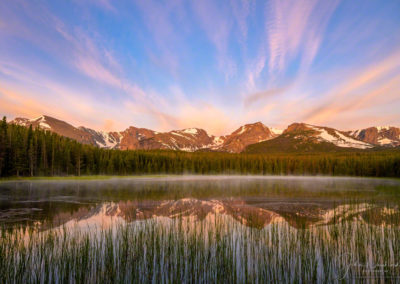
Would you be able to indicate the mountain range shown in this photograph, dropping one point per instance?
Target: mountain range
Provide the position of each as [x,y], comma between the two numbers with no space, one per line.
[251,138]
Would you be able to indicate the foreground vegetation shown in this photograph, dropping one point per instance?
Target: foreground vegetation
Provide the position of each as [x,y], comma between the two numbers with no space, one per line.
[217,249]
[35,152]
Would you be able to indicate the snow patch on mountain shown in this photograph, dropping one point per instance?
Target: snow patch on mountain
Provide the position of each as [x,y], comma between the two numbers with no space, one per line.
[218,140]
[44,125]
[242,130]
[355,133]
[380,128]
[110,141]
[20,121]
[385,141]
[42,122]
[190,131]
[178,134]
[276,131]
[387,136]
[339,139]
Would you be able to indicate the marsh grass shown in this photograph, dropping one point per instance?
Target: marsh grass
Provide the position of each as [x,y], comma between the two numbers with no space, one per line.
[216,249]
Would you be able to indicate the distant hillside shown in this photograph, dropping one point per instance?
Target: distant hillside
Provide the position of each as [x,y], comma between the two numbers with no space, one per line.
[250,138]
[387,136]
[134,138]
[305,138]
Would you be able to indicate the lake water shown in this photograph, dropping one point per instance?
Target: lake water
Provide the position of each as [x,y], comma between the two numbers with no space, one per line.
[200,229]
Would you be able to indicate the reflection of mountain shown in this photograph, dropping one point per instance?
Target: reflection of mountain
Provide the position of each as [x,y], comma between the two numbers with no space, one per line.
[296,214]
[382,216]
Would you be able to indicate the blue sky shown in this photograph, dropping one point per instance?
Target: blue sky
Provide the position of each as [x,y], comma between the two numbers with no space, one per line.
[210,64]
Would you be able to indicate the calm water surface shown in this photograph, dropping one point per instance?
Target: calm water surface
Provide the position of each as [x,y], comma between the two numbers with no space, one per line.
[200,229]
[253,201]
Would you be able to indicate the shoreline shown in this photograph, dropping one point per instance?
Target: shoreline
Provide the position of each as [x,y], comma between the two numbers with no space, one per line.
[182,177]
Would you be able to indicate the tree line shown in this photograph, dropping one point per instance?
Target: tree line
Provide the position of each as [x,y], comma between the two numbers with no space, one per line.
[36,152]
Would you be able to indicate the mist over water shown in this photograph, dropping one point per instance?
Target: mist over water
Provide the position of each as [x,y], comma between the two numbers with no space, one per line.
[27,202]
[200,229]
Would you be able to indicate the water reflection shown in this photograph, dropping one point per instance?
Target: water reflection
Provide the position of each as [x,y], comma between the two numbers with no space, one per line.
[200,230]
[252,201]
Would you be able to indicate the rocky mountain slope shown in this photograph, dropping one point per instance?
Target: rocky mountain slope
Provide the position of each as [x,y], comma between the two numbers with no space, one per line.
[301,137]
[190,139]
[58,126]
[387,136]
[252,138]
[244,136]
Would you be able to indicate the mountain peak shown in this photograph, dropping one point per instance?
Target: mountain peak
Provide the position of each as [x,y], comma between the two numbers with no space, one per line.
[388,136]
[256,124]
[195,139]
[382,128]
[245,135]
[298,126]
[304,132]
[191,131]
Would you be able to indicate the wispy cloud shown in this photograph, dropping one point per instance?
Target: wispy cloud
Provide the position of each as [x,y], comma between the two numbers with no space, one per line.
[241,11]
[294,32]
[173,64]
[217,24]
[163,20]
[295,27]
[257,96]
[379,79]
[88,58]
[352,97]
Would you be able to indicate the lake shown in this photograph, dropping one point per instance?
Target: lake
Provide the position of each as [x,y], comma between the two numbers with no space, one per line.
[200,229]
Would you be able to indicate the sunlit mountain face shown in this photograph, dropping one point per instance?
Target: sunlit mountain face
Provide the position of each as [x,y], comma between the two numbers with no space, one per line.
[251,138]
[253,202]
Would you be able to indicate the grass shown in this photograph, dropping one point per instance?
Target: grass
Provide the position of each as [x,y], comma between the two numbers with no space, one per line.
[217,249]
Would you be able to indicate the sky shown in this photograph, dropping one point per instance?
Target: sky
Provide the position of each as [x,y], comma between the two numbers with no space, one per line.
[216,65]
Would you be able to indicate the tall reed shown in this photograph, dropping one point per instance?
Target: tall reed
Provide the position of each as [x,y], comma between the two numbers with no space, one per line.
[216,249]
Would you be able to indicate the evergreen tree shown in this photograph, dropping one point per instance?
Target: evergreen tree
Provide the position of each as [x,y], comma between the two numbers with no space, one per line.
[3,146]
[31,152]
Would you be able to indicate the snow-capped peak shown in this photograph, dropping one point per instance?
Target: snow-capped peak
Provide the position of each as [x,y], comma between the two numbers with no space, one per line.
[380,128]
[338,138]
[42,122]
[379,135]
[276,131]
[193,131]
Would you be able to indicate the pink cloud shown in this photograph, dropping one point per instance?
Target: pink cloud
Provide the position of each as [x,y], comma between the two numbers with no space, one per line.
[241,11]
[163,19]
[295,27]
[360,89]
